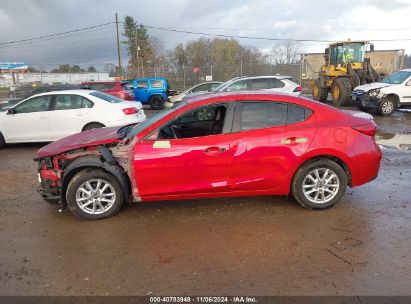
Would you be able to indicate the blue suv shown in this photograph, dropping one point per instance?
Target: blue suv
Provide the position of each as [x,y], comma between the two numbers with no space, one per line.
[152,91]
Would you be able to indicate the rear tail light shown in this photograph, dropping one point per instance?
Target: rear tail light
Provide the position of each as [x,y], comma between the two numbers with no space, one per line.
[367,129]
[130,111]
[298,89]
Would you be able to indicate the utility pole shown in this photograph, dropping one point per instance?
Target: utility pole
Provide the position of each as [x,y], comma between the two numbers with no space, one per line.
[118,50]
[137,49]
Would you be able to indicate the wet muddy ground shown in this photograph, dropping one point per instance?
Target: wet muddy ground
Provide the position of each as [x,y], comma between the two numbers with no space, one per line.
[246,246]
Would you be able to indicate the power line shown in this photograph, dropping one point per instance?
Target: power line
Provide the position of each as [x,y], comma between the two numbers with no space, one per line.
[57,34]
[260,38]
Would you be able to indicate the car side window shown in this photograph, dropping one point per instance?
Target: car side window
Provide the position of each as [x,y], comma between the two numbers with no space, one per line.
[68,102]
[261,84]
[276,83]
[214,85]
[97,86]
[157,84]
[203,121]
[200,88]
[142,84]
[109,86]
[35,104]
[297,114]
[87,104]
[240,85]
[258,115]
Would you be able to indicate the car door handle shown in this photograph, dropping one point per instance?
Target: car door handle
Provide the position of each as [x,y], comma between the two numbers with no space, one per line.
[43,117]
[293,140]
[214,150]
[79,115]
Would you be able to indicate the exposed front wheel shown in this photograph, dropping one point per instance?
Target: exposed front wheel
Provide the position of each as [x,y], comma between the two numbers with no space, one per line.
[94,194]
[340,91]
[386,107]
[319,184]
[319,93]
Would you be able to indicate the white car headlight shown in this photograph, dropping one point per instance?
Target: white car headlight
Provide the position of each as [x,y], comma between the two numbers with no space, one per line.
[374,92]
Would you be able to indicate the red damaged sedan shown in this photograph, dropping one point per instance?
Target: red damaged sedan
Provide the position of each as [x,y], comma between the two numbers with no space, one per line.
[228,144]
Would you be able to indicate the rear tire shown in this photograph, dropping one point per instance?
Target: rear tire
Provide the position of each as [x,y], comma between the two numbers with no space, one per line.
[386,106]
[319,184]
[156,103]
[340,91]
[2,141]
[94,194]
[93,125]
[319,93]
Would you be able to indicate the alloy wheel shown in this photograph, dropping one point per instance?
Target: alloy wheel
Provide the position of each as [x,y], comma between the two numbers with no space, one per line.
[321,185]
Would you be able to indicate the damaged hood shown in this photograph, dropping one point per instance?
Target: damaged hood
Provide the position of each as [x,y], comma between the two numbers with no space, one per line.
[371,86]
[80,140]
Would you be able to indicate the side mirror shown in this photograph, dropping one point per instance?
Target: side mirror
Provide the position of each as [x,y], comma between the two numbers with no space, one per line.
[371,47]
[11,111]
[227,90]
[326,51]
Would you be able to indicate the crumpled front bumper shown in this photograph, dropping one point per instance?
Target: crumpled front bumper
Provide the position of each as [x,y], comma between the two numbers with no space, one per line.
[365,101]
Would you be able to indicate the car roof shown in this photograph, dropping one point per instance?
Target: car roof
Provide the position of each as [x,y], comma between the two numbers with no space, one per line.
[405,70]
[237,95]
[258,77]
[77,91]
[103,82]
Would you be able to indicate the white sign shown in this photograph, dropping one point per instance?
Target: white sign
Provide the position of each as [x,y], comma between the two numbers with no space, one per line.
[209,77]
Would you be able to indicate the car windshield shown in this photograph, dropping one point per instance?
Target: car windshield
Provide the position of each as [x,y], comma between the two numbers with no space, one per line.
[153,119]
[397,78]
[106,97]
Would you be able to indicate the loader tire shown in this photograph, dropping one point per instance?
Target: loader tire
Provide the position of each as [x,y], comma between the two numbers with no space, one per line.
[340,91]
[319,93]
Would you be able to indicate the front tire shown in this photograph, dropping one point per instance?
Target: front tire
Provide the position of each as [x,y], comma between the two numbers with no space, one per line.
[319,93]
[319,184]
[340,91]
[94,194]
[386,107]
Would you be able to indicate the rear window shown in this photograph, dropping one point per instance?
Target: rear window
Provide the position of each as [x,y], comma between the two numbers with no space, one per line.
[158,84]
[106,97]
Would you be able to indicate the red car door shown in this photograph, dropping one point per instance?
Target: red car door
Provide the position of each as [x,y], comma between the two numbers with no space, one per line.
[268,138]
[185,166]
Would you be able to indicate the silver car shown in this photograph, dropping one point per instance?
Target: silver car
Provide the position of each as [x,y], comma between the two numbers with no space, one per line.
[201,87]
[277,83]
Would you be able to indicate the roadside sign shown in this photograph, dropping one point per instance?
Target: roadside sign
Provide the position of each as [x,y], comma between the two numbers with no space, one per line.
[209,77]
[196,70]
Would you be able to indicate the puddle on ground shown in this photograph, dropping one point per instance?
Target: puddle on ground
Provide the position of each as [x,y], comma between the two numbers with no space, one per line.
[393,140]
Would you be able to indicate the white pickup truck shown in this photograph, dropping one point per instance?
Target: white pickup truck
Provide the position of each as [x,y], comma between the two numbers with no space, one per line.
[393,92]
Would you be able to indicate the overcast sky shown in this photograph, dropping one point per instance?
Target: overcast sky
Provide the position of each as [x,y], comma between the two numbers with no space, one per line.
[325,20]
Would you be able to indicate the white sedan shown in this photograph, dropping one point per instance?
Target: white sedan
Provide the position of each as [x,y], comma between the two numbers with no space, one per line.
[53,115]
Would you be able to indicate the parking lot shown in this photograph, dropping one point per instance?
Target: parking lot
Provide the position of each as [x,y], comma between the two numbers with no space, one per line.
[247,246]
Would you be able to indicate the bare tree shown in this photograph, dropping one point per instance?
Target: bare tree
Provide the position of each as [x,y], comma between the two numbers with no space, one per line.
[286,52]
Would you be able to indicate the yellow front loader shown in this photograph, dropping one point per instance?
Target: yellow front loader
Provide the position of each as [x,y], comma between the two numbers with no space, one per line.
[345,68]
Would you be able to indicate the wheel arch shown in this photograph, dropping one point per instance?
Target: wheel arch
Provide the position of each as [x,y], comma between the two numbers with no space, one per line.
[155,95]
[91,122]
[393,96]
[334,158]
[86,162]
